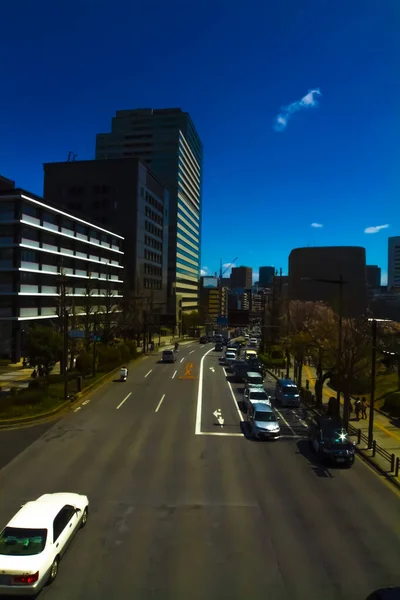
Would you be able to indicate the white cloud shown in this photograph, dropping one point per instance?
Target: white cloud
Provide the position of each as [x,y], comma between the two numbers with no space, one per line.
[203,271]
[375,229]
[384,278]
[316,225]
[256,276]
[308,101]
[228,265]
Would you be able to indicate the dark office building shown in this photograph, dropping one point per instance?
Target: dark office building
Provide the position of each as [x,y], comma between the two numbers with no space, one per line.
[125,195]
[373,277]
[306,265]
[38,244]
[241,277]
[266,276]
[167,141]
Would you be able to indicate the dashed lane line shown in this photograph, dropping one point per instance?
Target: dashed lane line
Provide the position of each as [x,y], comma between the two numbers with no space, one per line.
[124,400]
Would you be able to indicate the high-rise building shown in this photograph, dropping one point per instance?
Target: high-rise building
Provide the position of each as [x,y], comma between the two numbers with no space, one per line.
[308,266]
[40,246]
[266,276]
[373,276]
[128,197]
[167,141]
[241,277]
[394,263]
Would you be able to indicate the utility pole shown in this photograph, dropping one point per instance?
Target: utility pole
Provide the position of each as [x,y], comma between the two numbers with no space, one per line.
[339,364]
[372,398]
[64,330]
[94,344]
[65,353]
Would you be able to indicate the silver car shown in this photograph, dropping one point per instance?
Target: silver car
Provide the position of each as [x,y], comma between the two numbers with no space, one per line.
[256,396]
[263,422]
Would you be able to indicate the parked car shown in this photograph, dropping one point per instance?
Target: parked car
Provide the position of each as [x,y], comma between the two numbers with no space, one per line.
[329,440]
[287,393]
[254,395]
[36,538]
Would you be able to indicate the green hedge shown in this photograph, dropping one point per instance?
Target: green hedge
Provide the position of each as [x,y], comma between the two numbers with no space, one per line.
[392,404]
[271,362]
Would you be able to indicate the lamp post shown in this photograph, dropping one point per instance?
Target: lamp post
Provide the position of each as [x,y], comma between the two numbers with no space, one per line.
[373,380]
[339,282]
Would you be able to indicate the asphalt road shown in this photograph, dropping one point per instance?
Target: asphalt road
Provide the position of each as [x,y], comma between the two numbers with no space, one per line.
[175,515]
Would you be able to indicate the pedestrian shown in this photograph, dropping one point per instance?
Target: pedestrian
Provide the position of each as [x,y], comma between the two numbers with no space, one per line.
[358,408]
[364,407]
[350,408]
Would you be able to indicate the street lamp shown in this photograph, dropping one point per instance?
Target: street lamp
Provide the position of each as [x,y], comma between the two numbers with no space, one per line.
[340,282]
[373,379]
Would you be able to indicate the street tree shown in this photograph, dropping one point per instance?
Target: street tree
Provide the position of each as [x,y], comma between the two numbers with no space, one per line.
[190,320]
[44,346]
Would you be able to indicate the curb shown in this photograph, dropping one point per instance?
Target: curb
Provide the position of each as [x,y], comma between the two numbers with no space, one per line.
[67,406]
[360,452]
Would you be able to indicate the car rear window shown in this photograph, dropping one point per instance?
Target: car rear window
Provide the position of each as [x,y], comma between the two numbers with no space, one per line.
[168,352]
[290,390]
[15,541]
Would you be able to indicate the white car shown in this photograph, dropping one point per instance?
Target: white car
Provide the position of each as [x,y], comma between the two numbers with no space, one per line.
[35,539]
[254,395]
[253,342]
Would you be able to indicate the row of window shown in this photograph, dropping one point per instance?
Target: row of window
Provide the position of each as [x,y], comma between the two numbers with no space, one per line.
[192,255]
[154,284]
[150,255]
[186,213]
[188,242]
[187,263]
[152,270]
[153,229]
[149,241]
[47,218]
[153,202]
[152,215]
[188,231]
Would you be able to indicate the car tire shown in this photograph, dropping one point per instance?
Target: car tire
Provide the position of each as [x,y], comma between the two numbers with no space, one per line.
[54,570]
[84,517]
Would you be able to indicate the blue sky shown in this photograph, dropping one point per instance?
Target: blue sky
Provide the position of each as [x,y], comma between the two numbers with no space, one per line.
[236,67]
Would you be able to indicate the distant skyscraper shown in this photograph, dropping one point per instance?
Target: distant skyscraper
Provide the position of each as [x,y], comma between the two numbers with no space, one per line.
[373,276]
[241,277]
[167,141]
[394,263]
[266,276]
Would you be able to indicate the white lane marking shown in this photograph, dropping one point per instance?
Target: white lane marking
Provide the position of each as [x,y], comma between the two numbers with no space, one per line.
[147,374]
[284,420]
[182,359]
[191,352]
[76,409]
[144,357]
[124,400]
[159,404]
[200,394]
[86,402]
[212,369]
[174,374]
[221,433]
[234,399]
[303,422]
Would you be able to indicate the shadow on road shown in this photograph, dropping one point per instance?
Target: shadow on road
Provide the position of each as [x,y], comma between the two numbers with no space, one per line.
[321,470]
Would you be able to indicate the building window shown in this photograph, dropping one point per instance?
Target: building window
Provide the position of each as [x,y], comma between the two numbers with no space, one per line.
[29,256]
[7,211]
[31,210]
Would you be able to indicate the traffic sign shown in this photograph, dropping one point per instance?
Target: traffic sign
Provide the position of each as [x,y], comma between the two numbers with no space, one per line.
[76,333]
[222,320]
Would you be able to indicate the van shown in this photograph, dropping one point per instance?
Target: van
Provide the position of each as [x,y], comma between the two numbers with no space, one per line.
[168,356]
[287,393]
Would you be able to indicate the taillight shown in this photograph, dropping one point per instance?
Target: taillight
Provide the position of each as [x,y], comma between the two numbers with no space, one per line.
[25,579]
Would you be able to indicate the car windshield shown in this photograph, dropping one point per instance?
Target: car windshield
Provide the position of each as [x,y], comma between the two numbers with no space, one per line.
[258,396]
[266,417]
[15,541]
[290,391]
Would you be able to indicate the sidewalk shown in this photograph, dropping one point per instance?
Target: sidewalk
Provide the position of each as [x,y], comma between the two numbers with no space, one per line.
[386,433]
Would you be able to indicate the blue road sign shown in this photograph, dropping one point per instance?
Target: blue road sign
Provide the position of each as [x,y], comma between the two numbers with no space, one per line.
[222,320]
[76,333]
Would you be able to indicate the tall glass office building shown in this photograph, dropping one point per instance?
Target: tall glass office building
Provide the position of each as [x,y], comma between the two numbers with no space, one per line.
[167,141]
